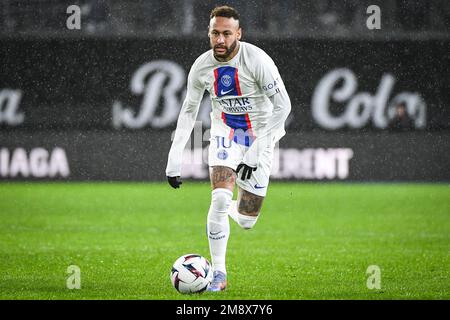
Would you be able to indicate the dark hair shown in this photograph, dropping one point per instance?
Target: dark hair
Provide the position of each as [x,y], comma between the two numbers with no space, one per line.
[224,11]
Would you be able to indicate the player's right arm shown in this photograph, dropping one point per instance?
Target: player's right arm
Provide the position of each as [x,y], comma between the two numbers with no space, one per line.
[185,124]
[269,79]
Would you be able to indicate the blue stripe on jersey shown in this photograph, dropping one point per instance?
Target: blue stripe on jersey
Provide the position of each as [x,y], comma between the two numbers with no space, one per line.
[227,82]
[240,123]
[236,121]
[244,139]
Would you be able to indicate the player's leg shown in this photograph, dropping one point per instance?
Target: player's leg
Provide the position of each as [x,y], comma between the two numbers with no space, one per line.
[218,227]
[223,158]
[245,211]
[222,177]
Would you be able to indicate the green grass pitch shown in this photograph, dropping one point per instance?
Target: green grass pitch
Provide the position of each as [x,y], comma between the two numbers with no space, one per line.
[312,241]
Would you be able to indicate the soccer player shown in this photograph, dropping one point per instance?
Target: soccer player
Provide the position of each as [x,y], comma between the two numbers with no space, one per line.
[249,108]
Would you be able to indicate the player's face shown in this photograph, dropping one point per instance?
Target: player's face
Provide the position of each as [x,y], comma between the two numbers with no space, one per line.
[224,34]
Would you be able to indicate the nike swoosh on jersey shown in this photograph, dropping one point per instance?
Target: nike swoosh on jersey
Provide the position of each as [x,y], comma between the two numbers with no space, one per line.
[224,93]
[257,186]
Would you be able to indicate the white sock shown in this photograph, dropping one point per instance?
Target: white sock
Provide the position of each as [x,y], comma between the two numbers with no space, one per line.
[244,221]
[233,212]
[218,227]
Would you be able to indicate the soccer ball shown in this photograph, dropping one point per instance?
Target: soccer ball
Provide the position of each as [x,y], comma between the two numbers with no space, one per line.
[191,273]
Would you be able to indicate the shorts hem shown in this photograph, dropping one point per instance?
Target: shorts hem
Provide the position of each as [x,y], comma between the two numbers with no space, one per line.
[223,165]
[258,192]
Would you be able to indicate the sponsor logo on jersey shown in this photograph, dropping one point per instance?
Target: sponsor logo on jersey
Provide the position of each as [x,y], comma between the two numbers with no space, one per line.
[272,85]
[226,82]
[237,109]
[225,92]
[235,105]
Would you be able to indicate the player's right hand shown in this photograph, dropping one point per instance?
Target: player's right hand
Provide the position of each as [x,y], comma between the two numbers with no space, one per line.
[246,170]
[175,182]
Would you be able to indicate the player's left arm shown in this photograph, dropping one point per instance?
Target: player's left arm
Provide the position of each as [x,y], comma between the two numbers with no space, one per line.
[270,81]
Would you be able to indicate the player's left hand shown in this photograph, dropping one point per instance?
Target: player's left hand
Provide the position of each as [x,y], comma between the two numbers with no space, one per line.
[246,170]
[175,182]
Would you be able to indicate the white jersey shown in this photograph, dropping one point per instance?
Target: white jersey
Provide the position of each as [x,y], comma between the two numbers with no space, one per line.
[240,91]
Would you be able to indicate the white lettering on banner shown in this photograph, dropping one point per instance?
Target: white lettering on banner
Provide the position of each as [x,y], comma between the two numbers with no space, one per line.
[362,107]
[309,164]
[331,163]
[159,80]
[39,163]
[9,103]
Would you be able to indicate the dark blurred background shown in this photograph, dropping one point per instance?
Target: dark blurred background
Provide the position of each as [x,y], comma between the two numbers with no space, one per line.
[414,19]
[101,102]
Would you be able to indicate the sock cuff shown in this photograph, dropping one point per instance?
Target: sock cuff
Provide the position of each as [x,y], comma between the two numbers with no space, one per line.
[246,222]
[246,217]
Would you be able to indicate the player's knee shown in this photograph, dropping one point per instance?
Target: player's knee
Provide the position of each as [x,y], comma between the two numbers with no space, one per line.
[221,200]
[246,222]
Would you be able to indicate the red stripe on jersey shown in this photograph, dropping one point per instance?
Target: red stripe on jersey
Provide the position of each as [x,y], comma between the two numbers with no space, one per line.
[230,136]
[247,119]
[249,125]
[236,80]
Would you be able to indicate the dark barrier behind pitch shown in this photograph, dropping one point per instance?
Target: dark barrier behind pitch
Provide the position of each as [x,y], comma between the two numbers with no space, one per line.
[101,109]
[141,156]
[333,85]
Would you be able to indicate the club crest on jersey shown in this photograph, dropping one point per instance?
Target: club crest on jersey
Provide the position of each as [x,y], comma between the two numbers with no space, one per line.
[226,82]
[222,154]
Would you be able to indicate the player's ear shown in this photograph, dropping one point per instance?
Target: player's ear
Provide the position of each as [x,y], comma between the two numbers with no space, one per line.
[239,33]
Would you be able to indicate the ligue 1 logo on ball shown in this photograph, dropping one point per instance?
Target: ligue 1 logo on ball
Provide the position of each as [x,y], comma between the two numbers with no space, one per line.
[226,80]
